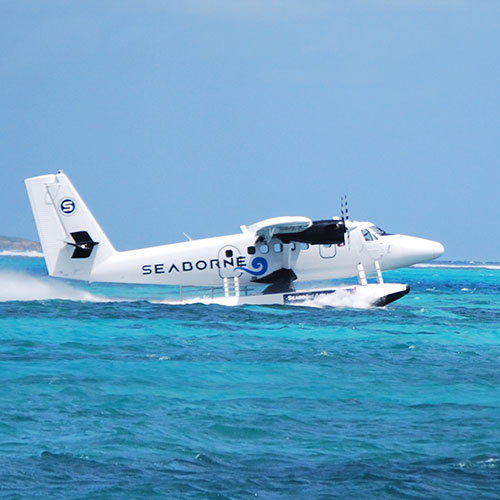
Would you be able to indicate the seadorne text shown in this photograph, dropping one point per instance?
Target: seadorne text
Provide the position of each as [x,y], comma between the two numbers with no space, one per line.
[199,265]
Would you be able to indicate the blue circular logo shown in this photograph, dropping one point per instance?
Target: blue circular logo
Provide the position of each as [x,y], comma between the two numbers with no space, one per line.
[67,206]
[259,264]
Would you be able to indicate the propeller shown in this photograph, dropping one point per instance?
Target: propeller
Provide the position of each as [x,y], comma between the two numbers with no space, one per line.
[344,209]
[344,212]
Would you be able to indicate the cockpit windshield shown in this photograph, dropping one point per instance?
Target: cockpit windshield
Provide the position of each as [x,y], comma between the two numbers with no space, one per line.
[372,233]
[378,231]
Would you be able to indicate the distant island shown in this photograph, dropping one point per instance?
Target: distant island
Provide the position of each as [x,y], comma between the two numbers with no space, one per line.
[19,245]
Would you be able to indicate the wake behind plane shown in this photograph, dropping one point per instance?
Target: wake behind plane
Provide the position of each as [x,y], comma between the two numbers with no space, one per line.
[271,255]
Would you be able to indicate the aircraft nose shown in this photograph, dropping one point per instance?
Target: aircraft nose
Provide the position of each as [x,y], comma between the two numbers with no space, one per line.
[437,250]
[410,250]
[424,250]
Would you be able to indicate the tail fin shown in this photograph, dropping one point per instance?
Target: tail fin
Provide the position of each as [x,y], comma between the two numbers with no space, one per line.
[73,243]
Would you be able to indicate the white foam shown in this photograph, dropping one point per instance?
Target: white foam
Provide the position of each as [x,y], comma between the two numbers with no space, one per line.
[341,298]
[363,299]
[26,253]
[22,286]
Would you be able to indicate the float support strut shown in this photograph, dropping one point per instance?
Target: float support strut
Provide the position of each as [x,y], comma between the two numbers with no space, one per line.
[362,275]
[380,278]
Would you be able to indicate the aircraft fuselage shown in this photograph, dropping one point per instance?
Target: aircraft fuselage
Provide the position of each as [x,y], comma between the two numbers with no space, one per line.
[207,262]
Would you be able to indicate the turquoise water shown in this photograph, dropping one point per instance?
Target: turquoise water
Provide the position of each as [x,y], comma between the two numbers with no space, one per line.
[107,398]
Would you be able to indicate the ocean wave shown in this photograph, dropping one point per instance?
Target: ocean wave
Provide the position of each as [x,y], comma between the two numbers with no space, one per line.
[459,265]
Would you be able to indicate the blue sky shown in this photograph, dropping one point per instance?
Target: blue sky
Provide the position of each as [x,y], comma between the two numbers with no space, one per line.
[198,116]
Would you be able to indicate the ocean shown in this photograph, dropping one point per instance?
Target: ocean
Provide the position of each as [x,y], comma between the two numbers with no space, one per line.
[109,392]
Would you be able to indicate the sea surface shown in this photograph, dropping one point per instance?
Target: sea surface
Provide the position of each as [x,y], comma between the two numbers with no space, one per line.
[109,392]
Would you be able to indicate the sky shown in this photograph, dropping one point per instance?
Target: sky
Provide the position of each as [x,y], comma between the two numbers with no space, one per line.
[197,116]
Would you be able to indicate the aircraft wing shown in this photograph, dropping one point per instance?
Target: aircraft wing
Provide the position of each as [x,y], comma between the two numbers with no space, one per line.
[268,228]
[300,229]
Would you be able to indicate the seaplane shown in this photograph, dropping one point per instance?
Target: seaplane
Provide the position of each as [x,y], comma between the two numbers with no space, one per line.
[258,266]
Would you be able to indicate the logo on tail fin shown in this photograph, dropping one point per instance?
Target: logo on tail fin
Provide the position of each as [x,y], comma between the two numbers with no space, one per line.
[67,206]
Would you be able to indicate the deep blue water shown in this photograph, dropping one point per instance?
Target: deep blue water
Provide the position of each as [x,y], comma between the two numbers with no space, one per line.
[103,398]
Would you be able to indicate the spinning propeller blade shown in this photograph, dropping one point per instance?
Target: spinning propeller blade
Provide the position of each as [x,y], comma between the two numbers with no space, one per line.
[344,212]
[344,209]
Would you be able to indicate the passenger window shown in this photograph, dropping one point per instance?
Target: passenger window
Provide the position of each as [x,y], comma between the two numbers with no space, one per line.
[251,250]
[264,249]
[229,253]
[367,235]
[278,247]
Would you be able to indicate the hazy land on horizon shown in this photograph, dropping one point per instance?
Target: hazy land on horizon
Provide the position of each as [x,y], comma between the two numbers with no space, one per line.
[19,244]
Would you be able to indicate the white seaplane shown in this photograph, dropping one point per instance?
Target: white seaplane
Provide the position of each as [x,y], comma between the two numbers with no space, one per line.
[270,255]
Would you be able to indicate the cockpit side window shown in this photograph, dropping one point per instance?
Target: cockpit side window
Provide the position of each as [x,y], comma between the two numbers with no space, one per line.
[367,235]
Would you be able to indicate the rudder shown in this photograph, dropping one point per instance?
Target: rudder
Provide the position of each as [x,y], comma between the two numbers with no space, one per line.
[73,242]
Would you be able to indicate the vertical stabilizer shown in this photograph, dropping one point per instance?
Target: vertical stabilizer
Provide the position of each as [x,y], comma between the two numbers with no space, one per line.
[73,243]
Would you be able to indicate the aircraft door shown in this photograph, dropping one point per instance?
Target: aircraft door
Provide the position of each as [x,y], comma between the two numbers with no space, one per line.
[228,261]
[327,251]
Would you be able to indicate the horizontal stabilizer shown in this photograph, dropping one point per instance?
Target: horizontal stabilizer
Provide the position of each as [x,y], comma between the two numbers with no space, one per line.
[83,244]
